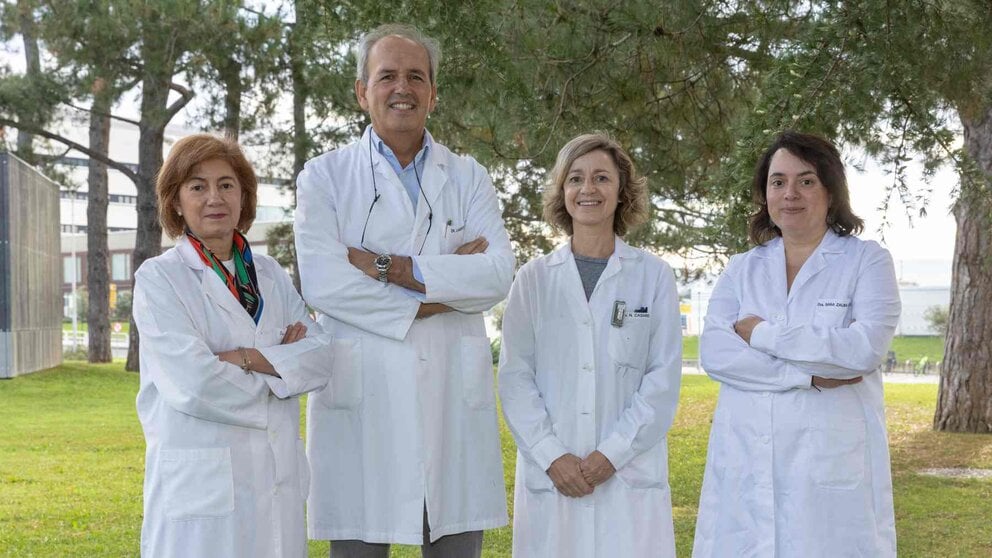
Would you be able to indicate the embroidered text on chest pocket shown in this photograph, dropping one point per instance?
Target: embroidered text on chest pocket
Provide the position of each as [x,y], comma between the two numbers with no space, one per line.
[453,236]
[831,312]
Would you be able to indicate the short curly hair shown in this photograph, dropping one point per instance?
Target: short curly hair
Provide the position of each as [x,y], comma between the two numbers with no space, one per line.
[632,200]
[184,156]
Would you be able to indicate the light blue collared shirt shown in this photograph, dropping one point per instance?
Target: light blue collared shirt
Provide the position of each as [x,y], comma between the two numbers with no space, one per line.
[409,175]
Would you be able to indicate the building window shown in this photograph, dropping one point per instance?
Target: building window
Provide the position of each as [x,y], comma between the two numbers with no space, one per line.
[271,214]
[120,267]
[68,273]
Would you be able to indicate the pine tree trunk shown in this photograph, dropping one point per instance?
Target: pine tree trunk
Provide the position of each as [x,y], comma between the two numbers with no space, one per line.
[32,59]
[965,400]
[231,77]
[159,56]
[97,252]
[301,136]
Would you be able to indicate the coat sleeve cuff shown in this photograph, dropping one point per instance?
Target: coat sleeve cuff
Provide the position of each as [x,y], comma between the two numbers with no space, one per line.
[547,450]
[763,337]
[296,377]
[617,450]
[278,386]
[801,379]
[420,278]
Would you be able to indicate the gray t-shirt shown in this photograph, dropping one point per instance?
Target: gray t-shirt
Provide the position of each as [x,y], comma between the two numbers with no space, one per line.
[589,271]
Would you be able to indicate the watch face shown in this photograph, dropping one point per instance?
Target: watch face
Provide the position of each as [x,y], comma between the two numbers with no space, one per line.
[382,260]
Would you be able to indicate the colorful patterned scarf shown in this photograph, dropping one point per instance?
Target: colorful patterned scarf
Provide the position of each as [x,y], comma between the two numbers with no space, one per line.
[243,284]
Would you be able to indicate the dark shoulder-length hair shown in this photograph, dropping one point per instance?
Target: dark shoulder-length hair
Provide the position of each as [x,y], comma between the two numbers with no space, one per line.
[825,158]
[632,199]
[184,156]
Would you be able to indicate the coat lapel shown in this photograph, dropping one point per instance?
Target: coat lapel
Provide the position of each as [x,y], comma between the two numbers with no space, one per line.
[773,268]
[390,221]
[564,264]
[818,260]
[211,285]
[622,255]
[433,182]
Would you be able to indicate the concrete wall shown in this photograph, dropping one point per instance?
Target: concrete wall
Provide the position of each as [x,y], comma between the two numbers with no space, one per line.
[30,270]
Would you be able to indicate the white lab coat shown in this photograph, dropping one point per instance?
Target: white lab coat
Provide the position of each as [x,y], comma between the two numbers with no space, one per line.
[410,415]
[792,471]
[225,470]
[570,382]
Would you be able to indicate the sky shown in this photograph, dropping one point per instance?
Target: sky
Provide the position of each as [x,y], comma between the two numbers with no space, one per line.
[922,247]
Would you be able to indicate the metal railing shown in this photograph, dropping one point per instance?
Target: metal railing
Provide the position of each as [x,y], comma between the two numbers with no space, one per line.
[83,339]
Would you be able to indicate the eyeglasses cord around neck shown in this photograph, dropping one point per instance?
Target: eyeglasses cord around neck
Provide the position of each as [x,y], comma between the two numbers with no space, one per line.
[375,198]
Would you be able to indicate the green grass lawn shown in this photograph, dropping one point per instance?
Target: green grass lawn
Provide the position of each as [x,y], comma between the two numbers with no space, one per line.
[83,326]
[915,348]
[71,466]
[912,348]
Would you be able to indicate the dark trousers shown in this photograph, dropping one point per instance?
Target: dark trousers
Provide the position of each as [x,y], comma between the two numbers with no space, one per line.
[458,545]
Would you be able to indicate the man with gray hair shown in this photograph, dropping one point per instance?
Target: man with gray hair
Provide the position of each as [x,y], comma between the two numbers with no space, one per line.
[401,248]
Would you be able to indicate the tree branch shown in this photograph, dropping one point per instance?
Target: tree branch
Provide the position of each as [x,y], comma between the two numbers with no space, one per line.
[101,113]
[185,97]
[120,167]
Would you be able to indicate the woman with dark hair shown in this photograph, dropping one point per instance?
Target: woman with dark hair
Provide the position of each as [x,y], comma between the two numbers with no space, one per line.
[798,462]
[226,346]
[590,369]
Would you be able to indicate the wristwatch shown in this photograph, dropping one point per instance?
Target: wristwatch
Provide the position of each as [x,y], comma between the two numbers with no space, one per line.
[382,263]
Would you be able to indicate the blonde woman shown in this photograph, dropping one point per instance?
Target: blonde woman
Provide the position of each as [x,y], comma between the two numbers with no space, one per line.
[590,370]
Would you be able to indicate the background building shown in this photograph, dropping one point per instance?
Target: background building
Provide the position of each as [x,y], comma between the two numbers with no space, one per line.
[122,213]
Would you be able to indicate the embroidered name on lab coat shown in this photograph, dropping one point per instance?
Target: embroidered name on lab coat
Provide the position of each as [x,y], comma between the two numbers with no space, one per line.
[640,312]
[833,303]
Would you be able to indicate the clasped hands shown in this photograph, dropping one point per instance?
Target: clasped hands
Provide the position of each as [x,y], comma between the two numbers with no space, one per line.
[576,477]
[401,272]
[745,326]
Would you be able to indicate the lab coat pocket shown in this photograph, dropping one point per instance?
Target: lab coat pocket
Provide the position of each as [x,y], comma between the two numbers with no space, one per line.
[303,467]
[647,470]
[197,483]
[454,236]
[838,451]
[344,390]
[628,343]
[535,479]
[477,373]
[830,312]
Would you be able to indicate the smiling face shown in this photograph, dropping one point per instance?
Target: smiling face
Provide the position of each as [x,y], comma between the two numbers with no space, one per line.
[591,189]
[210,203]
[399,94]
[798,201]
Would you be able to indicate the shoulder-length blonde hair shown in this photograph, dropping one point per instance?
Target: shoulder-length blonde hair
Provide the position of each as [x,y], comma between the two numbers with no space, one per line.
[632,200]
[184,156]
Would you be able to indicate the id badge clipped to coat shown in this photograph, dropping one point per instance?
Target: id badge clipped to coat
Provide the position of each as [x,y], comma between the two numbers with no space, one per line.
[619,311]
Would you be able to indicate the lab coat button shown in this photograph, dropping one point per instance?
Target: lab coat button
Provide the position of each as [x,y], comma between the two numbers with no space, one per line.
[778,317]
[587,367]
[765,440]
